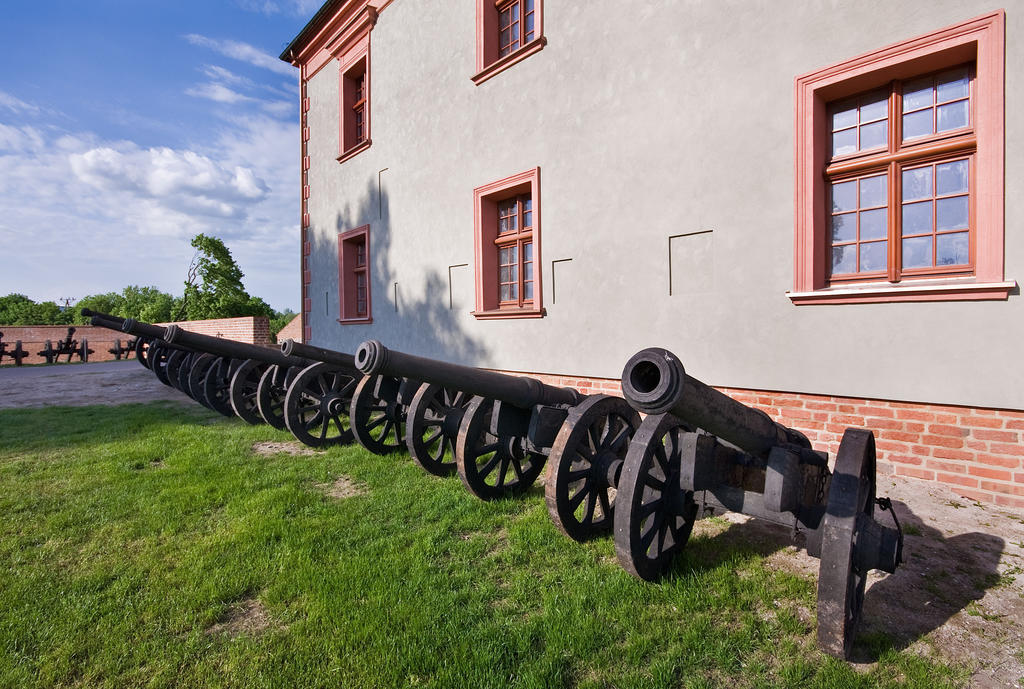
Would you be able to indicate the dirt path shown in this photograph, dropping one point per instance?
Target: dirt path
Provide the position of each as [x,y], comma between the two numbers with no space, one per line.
[959,594]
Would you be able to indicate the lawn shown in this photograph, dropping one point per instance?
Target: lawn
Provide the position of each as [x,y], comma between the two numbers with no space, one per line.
[149,545]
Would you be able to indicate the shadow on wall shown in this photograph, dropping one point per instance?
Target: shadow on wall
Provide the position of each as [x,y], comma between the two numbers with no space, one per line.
[415,318]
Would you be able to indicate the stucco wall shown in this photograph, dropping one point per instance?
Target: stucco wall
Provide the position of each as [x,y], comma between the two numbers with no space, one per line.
[675,118]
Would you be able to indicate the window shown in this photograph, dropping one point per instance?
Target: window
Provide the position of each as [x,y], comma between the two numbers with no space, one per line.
[355,109]
[507,32]
[900,172]
[507,242]
[926,231]
[354,275]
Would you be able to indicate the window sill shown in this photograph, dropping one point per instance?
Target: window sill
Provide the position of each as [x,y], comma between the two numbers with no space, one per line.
[886,292]
[501,64]
[495,314]
[355,150]
[356,321]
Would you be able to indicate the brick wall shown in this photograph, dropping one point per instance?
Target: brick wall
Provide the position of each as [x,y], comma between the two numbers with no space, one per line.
[976,452]
[251,329]
[293,330]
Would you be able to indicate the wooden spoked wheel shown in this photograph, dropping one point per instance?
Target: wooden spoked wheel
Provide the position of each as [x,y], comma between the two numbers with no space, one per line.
[200,365]
[184,369]
[217,384]
[432,427]
[653,516]
[378,424]
[585,463]
[493,466]
[271,392]
[851,503]
[157,358]
[244,387]
[142,346]
[175,362]
[316,406]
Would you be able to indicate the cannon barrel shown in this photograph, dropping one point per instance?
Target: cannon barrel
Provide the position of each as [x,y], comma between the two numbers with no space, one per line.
[655,382]
[292,348]
[104,320]
[374,358]
[220,346]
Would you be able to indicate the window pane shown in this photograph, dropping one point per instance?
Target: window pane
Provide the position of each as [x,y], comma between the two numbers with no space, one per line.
[529,24]
[506,37]
[844,227]
[527,291]
[917,94]
[917,218]
[529,5]
[917,124]
[503,256]
[873,256]
[841,119]
[953,249]
[503,225]
[917,183]
[527,272]
[917,252]
[513,273]
[504,275]
[872,224]
[873,135]
[844,196]
[952,116]
[506,292]
[951,214]
[952,85]
[844,259]
[951,178]
[872,191]
[528,251]
[874,110]
[844,142]
[515,12]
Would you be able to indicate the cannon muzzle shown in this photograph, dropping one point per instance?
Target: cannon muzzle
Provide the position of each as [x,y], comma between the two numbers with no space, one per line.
[655,382]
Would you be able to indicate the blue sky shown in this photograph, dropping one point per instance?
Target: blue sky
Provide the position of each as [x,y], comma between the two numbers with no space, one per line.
[129,126]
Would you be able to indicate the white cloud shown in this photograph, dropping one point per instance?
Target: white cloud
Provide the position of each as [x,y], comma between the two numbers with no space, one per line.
[217,92]
[16,104]
[243,52]
[226,76]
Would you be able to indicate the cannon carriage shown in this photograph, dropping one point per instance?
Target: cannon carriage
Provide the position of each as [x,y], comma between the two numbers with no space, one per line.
[500,429]
[16,354]
[698,452]
[69,347]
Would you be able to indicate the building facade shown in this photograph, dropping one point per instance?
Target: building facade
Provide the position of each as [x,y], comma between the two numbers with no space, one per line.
[816,205]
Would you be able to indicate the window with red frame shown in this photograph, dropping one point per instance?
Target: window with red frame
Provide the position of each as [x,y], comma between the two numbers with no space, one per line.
[516,25]
[354,275]
[355,111]
[899,180]
[515,252]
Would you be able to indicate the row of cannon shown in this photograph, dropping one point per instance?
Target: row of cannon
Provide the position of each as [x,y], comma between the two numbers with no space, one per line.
[695,453]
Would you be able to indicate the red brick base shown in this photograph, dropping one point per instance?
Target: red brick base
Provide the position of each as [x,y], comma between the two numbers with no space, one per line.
[976,452]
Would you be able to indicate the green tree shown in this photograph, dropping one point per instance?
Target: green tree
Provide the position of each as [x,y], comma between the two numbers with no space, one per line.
[213,288]
[110,302]
[13,307]
[146,304]
[279,320]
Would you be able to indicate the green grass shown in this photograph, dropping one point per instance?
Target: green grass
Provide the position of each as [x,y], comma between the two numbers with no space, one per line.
[128,532]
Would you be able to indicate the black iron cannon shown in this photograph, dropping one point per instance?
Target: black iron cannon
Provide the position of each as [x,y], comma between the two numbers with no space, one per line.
[500,428]
[69,347]
[16,354]
[122,351]
[150,348]
[699,452]
[317,398]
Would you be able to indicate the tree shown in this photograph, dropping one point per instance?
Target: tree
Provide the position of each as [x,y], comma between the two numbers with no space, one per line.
[110,302]
[279,320]
[220,293]
[13,307]
[146,304]
[17,309]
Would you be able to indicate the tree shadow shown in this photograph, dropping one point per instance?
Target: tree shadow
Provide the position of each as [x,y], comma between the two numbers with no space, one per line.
[413,315]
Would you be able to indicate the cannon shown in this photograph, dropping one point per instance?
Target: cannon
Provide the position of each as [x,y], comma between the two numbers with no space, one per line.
[69,347]
[125,351]
[699,452]
[17,353]
[500,428]
[318,398]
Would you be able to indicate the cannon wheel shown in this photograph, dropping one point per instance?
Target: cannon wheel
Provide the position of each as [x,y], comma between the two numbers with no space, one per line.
[378,425]
[216,386]
[184,370]
[432,426]
[157,358]
[851,498]
[585,463]
[316,406]
[142,349]
[654,518]
[194,386]
[271,392]
[176,362]
[490,466]
[243,391]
